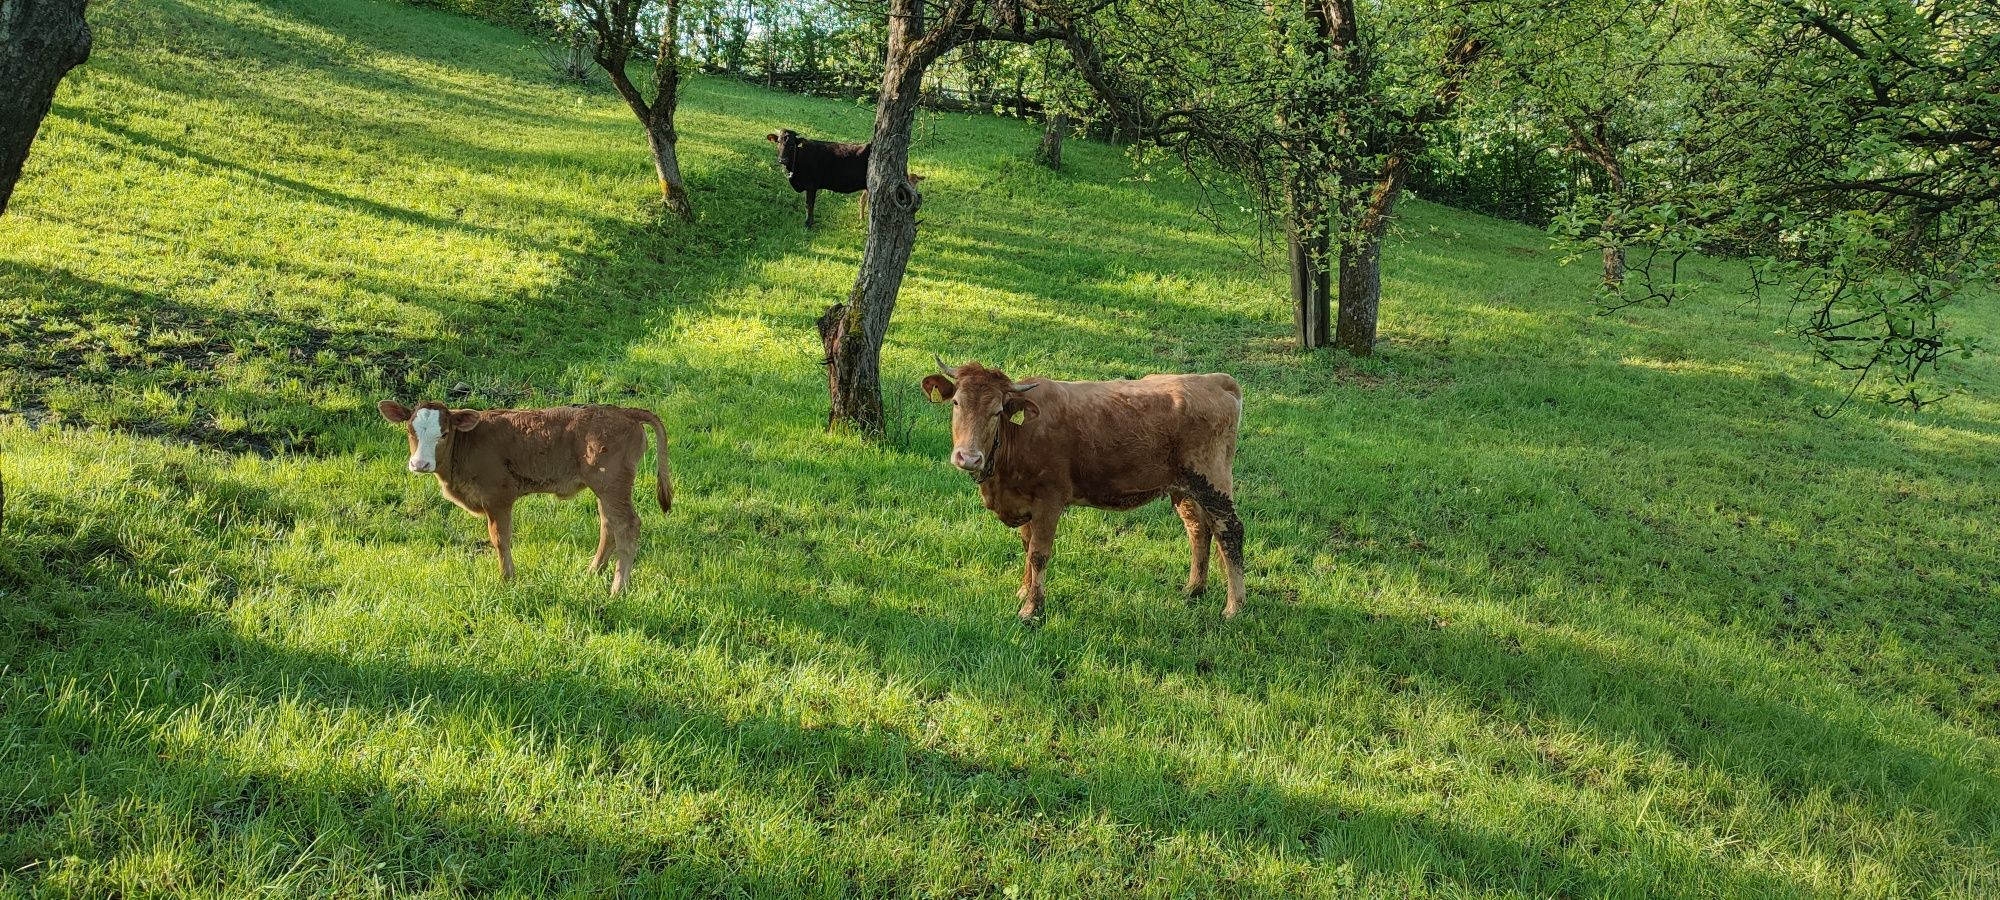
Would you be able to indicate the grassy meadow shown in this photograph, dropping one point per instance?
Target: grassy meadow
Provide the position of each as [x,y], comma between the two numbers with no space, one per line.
[1542,602]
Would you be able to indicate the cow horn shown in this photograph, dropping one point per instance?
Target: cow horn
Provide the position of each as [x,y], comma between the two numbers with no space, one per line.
[948,373]
[1023,388]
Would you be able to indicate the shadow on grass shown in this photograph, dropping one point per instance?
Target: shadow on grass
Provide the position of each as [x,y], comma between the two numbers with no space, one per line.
[175,156]
[258,379]
[1536,450]
[84,352]
[96,626]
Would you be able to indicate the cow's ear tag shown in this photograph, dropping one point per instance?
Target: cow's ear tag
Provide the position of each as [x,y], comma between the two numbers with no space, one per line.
[1020,417]
[936,395]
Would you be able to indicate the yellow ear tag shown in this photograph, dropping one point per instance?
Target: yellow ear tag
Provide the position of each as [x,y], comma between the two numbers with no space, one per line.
[936,395]
[1020,417]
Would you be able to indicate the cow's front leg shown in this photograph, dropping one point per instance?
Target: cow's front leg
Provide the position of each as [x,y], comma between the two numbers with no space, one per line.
[500,530]
[812,199]
[1038,538]
[1200,537]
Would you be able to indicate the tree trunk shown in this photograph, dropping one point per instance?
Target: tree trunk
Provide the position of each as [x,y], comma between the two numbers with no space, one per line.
[660,133]
[1361,260]
[1360,294]
[1614,266]
[1594,139]
[616,38]
[1614,254]
[853,368]
[660,138]
[40,41]
[1312,283]
[1366,220]
[1053,133]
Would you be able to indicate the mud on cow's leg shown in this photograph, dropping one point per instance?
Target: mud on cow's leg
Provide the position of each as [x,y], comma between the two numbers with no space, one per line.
[1038,538]
[1200,539]
[1027,569]
[1229,533]
[1228,528]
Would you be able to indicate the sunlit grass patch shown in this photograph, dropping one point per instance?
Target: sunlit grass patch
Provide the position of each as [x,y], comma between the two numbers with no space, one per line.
[1543,602]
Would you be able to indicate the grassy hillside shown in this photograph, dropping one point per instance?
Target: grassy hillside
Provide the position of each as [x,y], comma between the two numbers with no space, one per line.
[1542,603]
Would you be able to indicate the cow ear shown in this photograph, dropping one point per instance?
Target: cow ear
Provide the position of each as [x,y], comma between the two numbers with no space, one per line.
[772,137]
[939,388]
[393,411]
[464,420]
[1020,410]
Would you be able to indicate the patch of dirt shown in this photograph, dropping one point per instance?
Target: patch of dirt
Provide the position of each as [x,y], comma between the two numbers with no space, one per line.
[1366,381]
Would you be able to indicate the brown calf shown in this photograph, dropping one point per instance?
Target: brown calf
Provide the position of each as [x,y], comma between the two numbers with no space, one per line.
[1038,447]
[485,460]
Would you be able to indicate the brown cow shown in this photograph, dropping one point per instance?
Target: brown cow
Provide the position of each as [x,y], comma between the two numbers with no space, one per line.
[485,460]
[1108,444]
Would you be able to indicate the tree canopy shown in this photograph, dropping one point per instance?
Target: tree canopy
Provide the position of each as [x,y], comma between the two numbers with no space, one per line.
[1850,150]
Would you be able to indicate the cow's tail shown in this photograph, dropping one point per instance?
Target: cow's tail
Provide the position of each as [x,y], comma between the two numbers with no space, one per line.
[665,481]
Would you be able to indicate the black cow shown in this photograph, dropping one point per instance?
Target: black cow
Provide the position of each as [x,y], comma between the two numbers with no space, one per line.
[812,166]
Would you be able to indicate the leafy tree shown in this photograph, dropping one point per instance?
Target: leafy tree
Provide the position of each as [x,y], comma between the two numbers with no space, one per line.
[1048,75]
[40,41]
[1321,104]
[920,33]
[1608,84]
[1851,149]
[619,31]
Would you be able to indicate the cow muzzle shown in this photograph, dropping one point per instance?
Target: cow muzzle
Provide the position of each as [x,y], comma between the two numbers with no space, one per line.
[970,460]
[422,468]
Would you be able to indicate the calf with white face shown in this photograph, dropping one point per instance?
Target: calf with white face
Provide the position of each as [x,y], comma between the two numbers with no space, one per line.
[486,460]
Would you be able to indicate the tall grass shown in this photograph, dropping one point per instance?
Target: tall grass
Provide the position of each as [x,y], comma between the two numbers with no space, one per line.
[1542,602]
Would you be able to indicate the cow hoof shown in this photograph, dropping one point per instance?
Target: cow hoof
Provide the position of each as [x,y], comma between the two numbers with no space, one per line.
[1231,611]
[1194,589]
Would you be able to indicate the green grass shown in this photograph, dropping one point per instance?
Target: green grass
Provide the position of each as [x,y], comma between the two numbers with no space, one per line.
[1542,602]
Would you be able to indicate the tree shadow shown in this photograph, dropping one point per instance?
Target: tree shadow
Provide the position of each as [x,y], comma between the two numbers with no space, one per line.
[171,155]
[106,639]
[267,378]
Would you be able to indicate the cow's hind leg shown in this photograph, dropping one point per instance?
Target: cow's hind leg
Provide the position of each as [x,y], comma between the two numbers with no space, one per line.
[618,522]
[1200,538]
[1038,537]
[1221,509]
[604,540]
[500,530]
[623,521]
